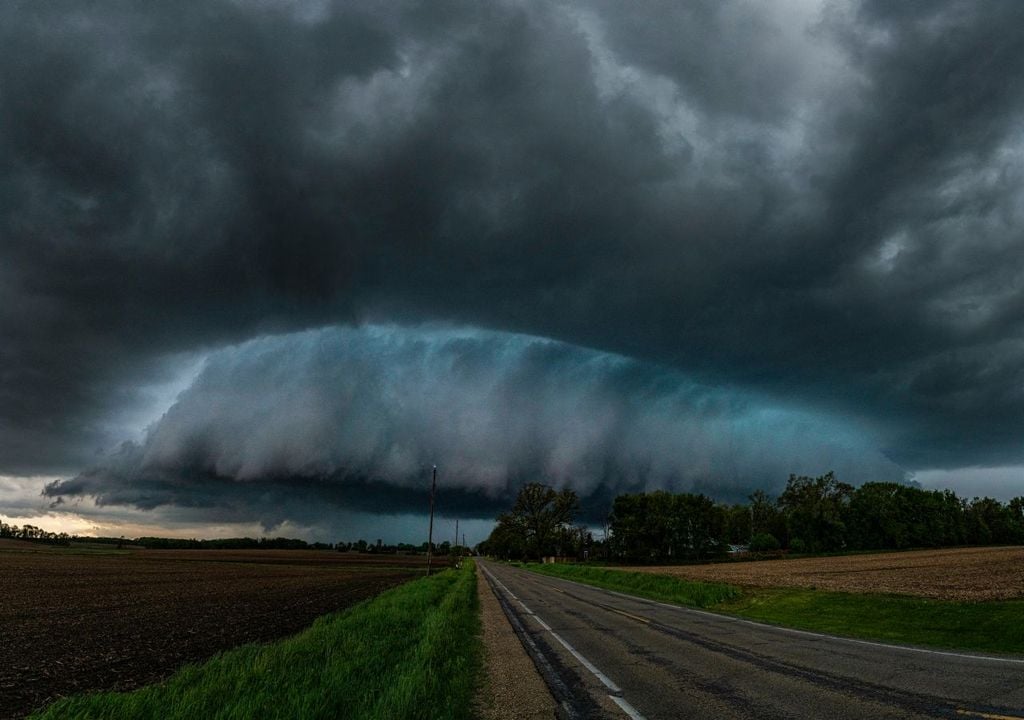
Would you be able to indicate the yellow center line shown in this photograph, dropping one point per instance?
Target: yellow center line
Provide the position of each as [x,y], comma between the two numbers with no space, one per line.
[987,716]
[631,616]
[552,587]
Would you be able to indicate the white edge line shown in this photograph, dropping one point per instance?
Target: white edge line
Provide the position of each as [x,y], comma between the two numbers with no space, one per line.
[627,708]
[794,631]
[605,680]
[825,636]
[535,616]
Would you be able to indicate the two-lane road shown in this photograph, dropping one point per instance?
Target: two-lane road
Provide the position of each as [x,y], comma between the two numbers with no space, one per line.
[612,655]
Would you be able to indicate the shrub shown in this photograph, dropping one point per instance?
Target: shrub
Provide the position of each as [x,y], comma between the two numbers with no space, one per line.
[763,542]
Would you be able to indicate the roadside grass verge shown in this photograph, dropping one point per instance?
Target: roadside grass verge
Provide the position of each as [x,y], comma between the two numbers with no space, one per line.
[648,585]
[991,626]
[411,652]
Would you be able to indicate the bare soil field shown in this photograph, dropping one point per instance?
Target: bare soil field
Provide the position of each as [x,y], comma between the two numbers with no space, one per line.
[81,619]
[971,574]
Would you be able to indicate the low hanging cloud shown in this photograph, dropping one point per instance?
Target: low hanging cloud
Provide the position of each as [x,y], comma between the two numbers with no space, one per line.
[289,427]
[801,221]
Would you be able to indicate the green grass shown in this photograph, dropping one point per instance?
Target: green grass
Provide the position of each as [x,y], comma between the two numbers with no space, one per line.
[648,585]
[411,652]
[986,626]
[982,626]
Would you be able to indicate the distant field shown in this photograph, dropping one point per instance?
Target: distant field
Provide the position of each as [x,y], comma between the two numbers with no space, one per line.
[963,574]
[82,619]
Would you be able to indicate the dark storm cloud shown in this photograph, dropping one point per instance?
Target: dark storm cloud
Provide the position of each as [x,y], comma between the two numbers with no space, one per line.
[293,427]
[822,206]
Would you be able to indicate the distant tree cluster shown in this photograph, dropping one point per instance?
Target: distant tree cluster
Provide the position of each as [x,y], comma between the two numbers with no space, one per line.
[33,533]
[361,546]
[281,543]
[664,526]
[812,515]
[540,524]
[246,543]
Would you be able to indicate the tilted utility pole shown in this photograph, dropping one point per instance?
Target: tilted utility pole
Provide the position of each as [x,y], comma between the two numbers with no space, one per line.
[430,532]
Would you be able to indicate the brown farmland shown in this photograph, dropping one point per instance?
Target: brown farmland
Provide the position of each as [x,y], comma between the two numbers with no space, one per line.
[973,574]
[74,620]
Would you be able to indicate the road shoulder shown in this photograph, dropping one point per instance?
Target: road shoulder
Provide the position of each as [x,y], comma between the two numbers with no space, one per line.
[512,687]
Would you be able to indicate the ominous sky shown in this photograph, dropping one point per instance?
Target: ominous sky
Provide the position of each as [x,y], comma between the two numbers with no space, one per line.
[264,262]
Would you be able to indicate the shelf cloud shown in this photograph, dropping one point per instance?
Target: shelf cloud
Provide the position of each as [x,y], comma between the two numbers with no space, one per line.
[356,418]
[811,208]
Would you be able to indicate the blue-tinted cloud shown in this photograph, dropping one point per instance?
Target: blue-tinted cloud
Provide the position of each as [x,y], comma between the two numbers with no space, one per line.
[290,427]
[810,211]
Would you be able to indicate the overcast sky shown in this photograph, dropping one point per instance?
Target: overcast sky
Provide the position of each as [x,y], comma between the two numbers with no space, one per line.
[264,262]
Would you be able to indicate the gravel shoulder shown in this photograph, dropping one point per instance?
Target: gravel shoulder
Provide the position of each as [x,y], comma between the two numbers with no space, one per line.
[512,689]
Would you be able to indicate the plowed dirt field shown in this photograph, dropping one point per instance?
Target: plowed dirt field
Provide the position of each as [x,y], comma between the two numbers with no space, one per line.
[973,574]
[78,620]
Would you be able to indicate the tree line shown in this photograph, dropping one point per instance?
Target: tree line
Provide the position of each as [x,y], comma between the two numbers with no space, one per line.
[283,543]
[243,543]
[361,546]
[538,525]
[37,534]
[812,515]
[33,534]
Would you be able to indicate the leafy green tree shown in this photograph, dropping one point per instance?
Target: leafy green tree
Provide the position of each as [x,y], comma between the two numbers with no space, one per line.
[991,522]
[897,516]
[737,524]
[879,516]
[541,511]
[765,516]
[643,528]
[536,525]
[701,524]
[764,542]
[1016,517]
[815,510]
[506,542]
[629,529]
[659,526]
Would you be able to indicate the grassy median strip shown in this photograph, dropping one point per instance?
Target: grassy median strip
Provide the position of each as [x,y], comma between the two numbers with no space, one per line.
[648,585]
[992,626]
[411,652]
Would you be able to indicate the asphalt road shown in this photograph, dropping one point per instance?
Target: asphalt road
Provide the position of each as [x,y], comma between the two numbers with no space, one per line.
[608,655]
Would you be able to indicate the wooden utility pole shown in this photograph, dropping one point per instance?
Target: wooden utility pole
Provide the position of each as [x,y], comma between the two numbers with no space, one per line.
[430,532]
[456,543]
